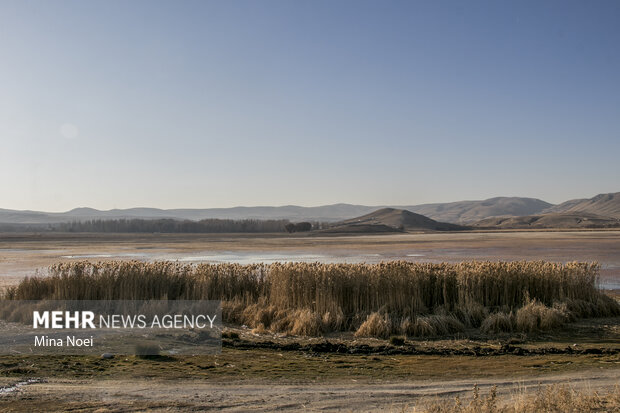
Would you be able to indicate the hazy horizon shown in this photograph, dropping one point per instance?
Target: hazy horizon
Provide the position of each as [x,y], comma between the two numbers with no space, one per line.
[303,206]
[214,105]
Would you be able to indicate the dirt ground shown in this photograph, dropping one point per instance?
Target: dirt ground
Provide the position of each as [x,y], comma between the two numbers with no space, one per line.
[191,395]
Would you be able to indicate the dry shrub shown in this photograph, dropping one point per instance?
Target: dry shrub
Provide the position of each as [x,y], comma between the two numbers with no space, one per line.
[606,306]
[406,326]
[472,314]
[497,323]
[22,312]
[551,399]
[422,327]
[432,325]
[376,325]
[283,321]
[552,319]
[563,310]
[259,313]
[581,308]
[333,321]
[563,398]
[535,316]
[476,404]
[260,329]
[306,323]
[232,312]
[601,306]
[445,325]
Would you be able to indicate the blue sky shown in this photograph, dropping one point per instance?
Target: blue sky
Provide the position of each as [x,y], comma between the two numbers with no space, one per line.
[114,104]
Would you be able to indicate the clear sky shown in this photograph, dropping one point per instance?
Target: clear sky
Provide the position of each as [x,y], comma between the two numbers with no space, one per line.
[115,104]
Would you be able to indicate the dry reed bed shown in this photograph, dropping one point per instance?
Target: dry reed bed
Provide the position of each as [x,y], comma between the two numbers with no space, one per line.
[398,297]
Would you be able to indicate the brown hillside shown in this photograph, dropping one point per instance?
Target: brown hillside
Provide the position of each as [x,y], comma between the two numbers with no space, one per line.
[556,221]
[606,205]
[398,220]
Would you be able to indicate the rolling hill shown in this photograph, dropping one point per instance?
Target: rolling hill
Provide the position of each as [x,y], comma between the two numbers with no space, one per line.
[465,212]
[606,205]
[394,220]
[564,220]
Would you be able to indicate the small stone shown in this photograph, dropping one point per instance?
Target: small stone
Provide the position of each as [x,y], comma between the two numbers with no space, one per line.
[107,356]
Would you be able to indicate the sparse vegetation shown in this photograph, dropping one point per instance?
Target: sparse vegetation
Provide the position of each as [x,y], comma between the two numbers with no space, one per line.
[560,398]
[378,300]
[498,323]
[535,316]
[376,325]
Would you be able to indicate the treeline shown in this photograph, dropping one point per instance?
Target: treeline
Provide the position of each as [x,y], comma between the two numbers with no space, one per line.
[173,226]
[299,227]
[168,225]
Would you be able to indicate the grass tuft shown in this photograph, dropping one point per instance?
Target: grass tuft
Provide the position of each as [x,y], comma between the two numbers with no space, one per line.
[376,325]
[497,323]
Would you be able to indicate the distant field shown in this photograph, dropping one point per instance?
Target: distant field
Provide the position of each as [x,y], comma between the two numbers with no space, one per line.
[23,254]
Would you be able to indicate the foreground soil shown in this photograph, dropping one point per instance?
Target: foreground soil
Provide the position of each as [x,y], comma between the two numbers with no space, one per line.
[347,393]
[339,373]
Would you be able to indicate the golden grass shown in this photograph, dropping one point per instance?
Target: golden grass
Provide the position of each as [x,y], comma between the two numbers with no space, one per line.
[560,398]
[376,325]
[535,316]
[417,299]
[498,323]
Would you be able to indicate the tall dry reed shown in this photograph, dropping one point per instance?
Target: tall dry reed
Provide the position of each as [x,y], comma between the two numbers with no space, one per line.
[341,297]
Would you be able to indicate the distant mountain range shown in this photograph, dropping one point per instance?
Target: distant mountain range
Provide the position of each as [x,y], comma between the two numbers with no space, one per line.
[327,213]
[463,212]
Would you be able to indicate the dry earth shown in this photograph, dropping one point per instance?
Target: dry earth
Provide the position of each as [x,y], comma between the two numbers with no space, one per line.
[23,254]
[191,395]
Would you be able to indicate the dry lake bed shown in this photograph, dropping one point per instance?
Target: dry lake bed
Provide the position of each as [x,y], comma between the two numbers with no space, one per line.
[25,254]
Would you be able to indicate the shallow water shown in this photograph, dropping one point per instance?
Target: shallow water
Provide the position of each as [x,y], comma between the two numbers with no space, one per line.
[270,258]
[85,256]
[244,257]
[14,387]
